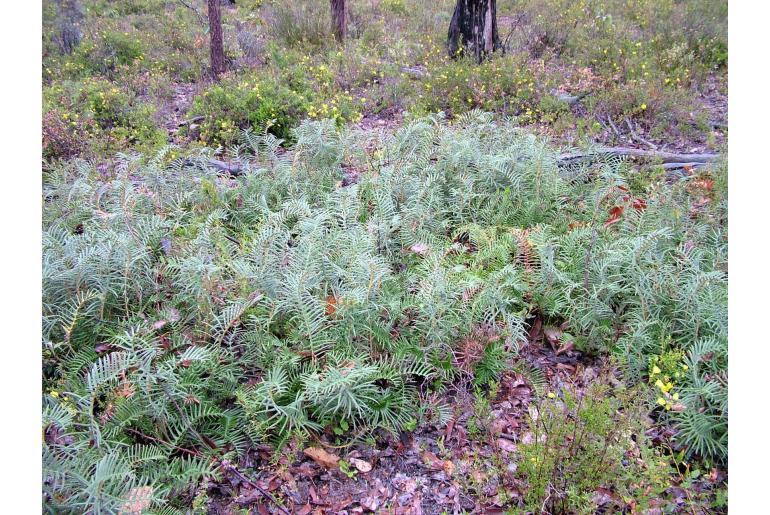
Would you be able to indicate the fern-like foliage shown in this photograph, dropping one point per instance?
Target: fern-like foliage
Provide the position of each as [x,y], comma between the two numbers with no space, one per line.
[187,316]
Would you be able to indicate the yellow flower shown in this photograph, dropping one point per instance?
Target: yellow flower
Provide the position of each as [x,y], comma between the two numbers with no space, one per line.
[643,107]
[655,370]
[659,384]
[675,396]
[668,387]
[54,393]
[551,395]
[661,401]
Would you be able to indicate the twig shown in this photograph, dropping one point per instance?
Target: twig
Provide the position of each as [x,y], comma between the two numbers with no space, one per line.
[232,468]
[194,119]
[158,440]
[614,128]
[205,441]
[665,157]
[639,138]
[203,21]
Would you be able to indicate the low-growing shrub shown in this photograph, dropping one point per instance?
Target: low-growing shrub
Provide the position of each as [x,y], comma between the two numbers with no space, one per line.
[102,118]
[583,440]
[188,317]
[238,103]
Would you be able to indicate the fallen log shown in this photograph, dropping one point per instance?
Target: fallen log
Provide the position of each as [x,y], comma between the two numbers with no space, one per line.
[194,119]
[233,169]
[647,155]
[679,166]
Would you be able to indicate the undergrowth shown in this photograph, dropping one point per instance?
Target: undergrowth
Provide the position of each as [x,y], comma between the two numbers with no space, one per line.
[189,316]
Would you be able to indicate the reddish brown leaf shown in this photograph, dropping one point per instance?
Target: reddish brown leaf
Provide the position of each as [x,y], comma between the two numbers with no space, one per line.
[331,305]
[639,204]
[322,457]
[615,213]
[534,332]
[553,335]
[432,461]
[102,347]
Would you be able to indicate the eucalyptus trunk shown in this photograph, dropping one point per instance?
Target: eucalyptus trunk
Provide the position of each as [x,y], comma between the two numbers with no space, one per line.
[473,29]
[339,19]
[215,32]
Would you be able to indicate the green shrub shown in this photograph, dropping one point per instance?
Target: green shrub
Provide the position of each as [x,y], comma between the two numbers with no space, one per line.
[122,48]
[502,84]
[102,117]
[238,103]
[188,317]
[584,440]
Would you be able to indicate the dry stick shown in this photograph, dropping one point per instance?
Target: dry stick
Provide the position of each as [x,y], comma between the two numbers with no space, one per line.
[665,157]
[639,138]
[148,437]
[194,119]
[186,420]
[614,128]
[232,468]
[193,9]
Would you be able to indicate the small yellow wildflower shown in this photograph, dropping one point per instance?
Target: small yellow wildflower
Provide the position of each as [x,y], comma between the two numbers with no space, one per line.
[661,401]
[675,396]
[659,384]
[643,106]
[655,370]
[54,393]
[551,395]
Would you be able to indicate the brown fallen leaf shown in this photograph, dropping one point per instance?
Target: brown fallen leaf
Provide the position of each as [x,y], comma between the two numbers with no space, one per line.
[432,461]
[568,346]
[361,465]
[506,445]
[553,335]
[534,332]
[322,457]
[449,467]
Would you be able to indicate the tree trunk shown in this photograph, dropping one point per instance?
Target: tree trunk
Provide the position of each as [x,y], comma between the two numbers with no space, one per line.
[473,29]
[217,47]
[340,19]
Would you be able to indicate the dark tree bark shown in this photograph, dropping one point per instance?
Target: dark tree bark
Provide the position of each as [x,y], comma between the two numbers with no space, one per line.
[70,15]
[473,29]
[215,31]
[340,19]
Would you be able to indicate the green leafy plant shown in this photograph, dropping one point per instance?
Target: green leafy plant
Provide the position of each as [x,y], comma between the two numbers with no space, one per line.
[582,441]
[189,316]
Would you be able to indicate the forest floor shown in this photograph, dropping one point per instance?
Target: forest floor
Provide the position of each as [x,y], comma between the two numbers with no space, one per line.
[467,466]
[651,75]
